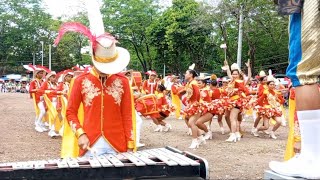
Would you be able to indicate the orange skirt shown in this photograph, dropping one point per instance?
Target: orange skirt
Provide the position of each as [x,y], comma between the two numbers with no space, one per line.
[269,112]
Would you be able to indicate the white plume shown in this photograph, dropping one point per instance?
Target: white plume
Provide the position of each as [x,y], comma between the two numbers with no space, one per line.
[95,17]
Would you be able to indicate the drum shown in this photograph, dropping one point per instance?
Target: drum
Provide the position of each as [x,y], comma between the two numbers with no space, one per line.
[137,79]
[147,104]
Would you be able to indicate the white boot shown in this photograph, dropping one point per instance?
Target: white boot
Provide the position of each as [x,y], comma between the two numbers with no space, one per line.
[254,132]
[194,144]
[271,135]
[238,136]
[208,135]
[167,127]
[38,128]
[52,133]
[232,138]
[201,140]
[307,164]
[158,129]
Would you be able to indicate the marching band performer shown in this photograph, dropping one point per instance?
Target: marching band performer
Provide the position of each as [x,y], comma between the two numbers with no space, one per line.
[163,111]
[237,99]
[271,101]
[34,88]
[176,88]
[209,107]
[49,88]
[192,108]
[106,97]
[150,86]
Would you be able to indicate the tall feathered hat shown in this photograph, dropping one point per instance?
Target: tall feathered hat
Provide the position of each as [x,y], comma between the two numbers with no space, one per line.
[235,66]
[150,73]
[36,69]
[192,66]
[106,56]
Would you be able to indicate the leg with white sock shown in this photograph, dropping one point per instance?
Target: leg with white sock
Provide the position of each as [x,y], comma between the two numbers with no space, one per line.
[138,129]
[39,125]
[275,127]
[307,164]
[200,124]
[192,124]
[220,123]
[304,72]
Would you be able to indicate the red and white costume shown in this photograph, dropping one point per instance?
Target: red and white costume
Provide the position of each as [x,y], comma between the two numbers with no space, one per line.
[107,110]
[269,103]
[192,98]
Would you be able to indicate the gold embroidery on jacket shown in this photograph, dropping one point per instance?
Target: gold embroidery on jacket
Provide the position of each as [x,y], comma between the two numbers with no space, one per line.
[116,90]
[89,91]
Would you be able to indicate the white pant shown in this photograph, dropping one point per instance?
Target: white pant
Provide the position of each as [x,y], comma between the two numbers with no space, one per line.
[100,147]
[139,125]
[41,113]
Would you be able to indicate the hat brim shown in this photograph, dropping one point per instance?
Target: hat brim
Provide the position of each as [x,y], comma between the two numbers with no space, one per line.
[35,72]
[117,65]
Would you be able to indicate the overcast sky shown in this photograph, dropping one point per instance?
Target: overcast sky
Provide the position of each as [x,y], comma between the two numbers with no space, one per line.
[71,7]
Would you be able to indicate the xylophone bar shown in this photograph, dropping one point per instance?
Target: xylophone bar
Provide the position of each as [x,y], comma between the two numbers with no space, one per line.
[154,163]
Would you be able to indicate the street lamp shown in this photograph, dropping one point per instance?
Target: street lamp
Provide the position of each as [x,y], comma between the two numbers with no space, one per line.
[41,53]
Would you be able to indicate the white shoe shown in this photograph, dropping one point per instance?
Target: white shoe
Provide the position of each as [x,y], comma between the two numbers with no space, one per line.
[46,124]
[158,129]
[238,136]
[271,135]
[167,127]
[38,129]
[296,167]
[232,138]
[52,134]
[222,130]
[61,131]
[194,144]
[189,132]
[201,140]
[180,118]
[208,135]
[140,145]
[254,132]
[44,128]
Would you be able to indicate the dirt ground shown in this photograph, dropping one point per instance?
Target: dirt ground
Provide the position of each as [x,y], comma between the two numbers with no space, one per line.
[246,159]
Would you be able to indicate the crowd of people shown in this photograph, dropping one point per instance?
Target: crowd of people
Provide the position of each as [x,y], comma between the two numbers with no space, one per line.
[12,86]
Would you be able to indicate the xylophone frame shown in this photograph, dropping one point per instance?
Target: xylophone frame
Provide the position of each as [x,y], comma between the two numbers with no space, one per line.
[159,171]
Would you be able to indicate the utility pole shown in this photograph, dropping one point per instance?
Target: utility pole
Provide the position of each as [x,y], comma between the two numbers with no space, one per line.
[41,53]
[34,59]
[50,56]
[240,37]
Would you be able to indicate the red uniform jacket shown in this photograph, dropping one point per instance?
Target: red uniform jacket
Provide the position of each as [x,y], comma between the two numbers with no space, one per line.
[35,85]
[150,87]
[205,95]
[265,98]
[107,109]
[50,89]
[193,92]
[216,93]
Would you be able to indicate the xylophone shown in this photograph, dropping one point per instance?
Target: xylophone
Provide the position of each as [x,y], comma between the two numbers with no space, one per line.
[164,163]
